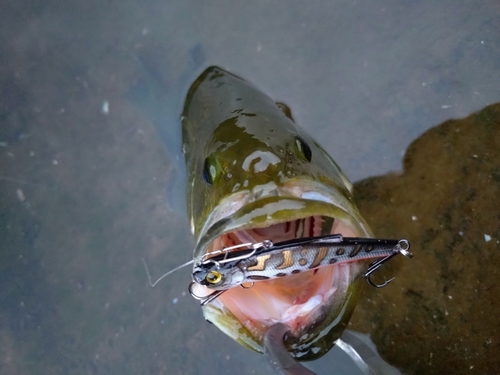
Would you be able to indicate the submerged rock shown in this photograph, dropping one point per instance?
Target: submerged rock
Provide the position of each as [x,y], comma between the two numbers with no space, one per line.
[440,314]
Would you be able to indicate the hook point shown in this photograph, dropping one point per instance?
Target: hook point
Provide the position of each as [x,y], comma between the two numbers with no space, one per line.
[377,285]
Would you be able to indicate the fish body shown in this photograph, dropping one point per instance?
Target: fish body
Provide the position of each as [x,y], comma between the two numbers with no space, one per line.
[267,261]
[253,175]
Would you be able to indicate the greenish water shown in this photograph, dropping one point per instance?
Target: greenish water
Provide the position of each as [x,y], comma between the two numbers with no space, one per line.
[83,189]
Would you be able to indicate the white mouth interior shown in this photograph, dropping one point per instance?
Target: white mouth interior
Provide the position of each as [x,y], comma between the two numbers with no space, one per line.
[294,299]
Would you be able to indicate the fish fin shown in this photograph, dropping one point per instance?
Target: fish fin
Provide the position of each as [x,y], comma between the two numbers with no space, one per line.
[286,110]
[364,354]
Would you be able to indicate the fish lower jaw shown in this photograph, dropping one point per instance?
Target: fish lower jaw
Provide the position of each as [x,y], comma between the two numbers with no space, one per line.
[298,301]
[296,317]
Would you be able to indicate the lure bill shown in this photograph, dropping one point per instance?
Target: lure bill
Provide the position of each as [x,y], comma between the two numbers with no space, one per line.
[227,268]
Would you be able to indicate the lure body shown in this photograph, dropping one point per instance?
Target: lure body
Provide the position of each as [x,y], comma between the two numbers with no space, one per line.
[270,261]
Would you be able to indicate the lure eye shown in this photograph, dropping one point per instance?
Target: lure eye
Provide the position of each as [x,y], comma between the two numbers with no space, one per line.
[213,277]
[305,153]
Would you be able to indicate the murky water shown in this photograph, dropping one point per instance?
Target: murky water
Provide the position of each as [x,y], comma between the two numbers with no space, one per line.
[83,174]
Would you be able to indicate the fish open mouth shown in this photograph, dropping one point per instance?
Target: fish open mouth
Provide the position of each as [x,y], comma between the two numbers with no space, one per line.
[309,302]
[290,299]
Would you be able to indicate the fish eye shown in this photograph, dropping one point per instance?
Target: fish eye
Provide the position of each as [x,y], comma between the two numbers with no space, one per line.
[305,152]
[206,172]
[213,277]
[209,171]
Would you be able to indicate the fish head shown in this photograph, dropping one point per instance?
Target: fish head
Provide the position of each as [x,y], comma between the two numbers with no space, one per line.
[254,175]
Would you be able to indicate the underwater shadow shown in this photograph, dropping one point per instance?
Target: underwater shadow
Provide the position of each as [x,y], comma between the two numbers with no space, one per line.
[441,311]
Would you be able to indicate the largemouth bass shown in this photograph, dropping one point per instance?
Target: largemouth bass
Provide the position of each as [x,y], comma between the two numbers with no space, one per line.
[254,175]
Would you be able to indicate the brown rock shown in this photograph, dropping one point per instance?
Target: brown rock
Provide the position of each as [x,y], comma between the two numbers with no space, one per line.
[441,313]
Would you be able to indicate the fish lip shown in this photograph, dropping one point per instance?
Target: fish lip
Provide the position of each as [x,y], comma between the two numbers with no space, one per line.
[326,198]
[271,210]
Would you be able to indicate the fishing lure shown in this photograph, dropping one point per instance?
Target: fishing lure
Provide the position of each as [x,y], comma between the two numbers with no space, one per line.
[226,268]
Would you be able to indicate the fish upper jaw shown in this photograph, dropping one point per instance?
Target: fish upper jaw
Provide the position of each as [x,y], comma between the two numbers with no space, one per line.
[266,190]
[269,203]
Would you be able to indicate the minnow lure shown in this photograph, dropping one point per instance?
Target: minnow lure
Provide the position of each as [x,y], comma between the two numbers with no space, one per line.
[224,269]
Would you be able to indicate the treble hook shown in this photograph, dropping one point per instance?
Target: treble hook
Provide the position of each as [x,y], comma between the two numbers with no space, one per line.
[401,248]
[205,299]
[210,297]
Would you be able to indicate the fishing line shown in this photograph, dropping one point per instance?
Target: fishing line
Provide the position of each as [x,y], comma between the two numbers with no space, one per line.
[164,275]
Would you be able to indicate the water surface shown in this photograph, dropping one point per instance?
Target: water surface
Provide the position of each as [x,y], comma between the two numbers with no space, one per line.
[83,174]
